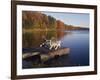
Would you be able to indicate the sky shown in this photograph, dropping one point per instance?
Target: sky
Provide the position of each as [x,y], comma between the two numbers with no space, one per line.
[76,19]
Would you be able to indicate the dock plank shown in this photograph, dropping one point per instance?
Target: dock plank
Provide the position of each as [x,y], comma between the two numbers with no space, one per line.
[48,55]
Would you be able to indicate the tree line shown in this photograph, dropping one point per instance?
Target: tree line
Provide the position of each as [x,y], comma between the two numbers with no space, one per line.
[38,20]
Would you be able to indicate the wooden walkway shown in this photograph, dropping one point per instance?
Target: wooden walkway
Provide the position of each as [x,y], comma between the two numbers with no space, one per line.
[47,56]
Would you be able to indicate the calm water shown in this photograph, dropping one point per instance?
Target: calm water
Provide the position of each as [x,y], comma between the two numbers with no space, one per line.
[78,42]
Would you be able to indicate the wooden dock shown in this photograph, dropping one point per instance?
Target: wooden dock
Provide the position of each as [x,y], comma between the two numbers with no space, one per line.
[56,53]
[47,56]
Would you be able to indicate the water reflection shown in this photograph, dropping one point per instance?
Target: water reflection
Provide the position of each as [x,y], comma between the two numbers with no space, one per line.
[77,41]
[35,38]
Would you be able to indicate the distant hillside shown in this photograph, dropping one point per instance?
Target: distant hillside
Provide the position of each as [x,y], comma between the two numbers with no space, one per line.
[38,20]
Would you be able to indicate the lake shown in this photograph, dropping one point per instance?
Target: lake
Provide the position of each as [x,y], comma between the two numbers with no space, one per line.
[76,40]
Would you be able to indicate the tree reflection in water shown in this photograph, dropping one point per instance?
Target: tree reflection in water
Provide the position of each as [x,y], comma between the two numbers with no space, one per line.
[34,38]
